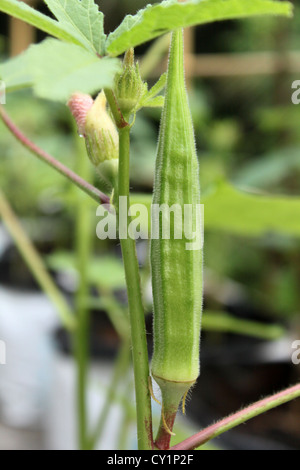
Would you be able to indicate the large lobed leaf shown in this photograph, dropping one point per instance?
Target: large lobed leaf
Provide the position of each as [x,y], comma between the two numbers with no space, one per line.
[60,69]
[31,16]
[79,21]
[16,73]
[84,19]
[158,19]
[57,69]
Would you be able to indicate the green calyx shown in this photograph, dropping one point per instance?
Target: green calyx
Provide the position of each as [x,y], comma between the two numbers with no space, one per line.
[102,142]
[129,86]
[101,135]
[172,394]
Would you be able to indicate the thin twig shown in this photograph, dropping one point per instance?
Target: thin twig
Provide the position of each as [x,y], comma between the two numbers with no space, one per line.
[238,418]
[58,166]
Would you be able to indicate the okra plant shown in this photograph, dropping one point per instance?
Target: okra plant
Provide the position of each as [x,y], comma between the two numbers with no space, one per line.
[81,66]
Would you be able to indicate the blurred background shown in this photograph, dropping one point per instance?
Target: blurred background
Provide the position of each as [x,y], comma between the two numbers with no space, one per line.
[239,76]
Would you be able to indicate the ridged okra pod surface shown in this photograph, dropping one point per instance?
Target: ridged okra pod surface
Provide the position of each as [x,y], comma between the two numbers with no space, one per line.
[176,270]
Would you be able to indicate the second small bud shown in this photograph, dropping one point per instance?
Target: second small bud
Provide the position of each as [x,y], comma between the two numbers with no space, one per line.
[129,86]
[100,133]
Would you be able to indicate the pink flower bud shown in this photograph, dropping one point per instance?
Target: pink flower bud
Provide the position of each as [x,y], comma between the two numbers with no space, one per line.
[100,133]
[80,104]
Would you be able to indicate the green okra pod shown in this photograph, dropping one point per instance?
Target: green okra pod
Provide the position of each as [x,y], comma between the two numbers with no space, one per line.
[176,270]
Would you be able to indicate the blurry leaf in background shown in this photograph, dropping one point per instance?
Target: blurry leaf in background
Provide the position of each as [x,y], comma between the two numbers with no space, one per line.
[158,19]
[278,118]
[106,272]
[28,183]
[242,213]
[246,214]
[143,151]
[258,35]
[284,284]
[269,170]
[200,104]
[223,135]
[221,321]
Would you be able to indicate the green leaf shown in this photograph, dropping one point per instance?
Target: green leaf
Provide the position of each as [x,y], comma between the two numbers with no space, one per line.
[231,210]
[28,14]
[241,213]
[149,99]
[16,74]
[157,102]
[57,69]
[84,19]
[60,69]
[221,321]
[157,88]
[269,169]
[158,19]
[106,272]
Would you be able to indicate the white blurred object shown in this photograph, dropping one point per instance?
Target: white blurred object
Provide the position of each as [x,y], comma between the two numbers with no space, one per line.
[26,324]
[61,423]
[38,383]
[276,351]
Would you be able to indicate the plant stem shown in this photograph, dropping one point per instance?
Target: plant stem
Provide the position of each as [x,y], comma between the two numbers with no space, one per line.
[136,310]
[172,394]
[88,188]
[115,109]
[35,263]
[81,335]
[132,275]
[237,418]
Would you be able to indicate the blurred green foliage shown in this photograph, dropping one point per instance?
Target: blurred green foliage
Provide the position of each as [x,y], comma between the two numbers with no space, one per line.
[29,184]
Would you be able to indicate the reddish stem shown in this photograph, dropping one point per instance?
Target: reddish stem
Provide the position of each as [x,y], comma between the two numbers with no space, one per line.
[163,438]
[91,190]
[115,109]
[237,418]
